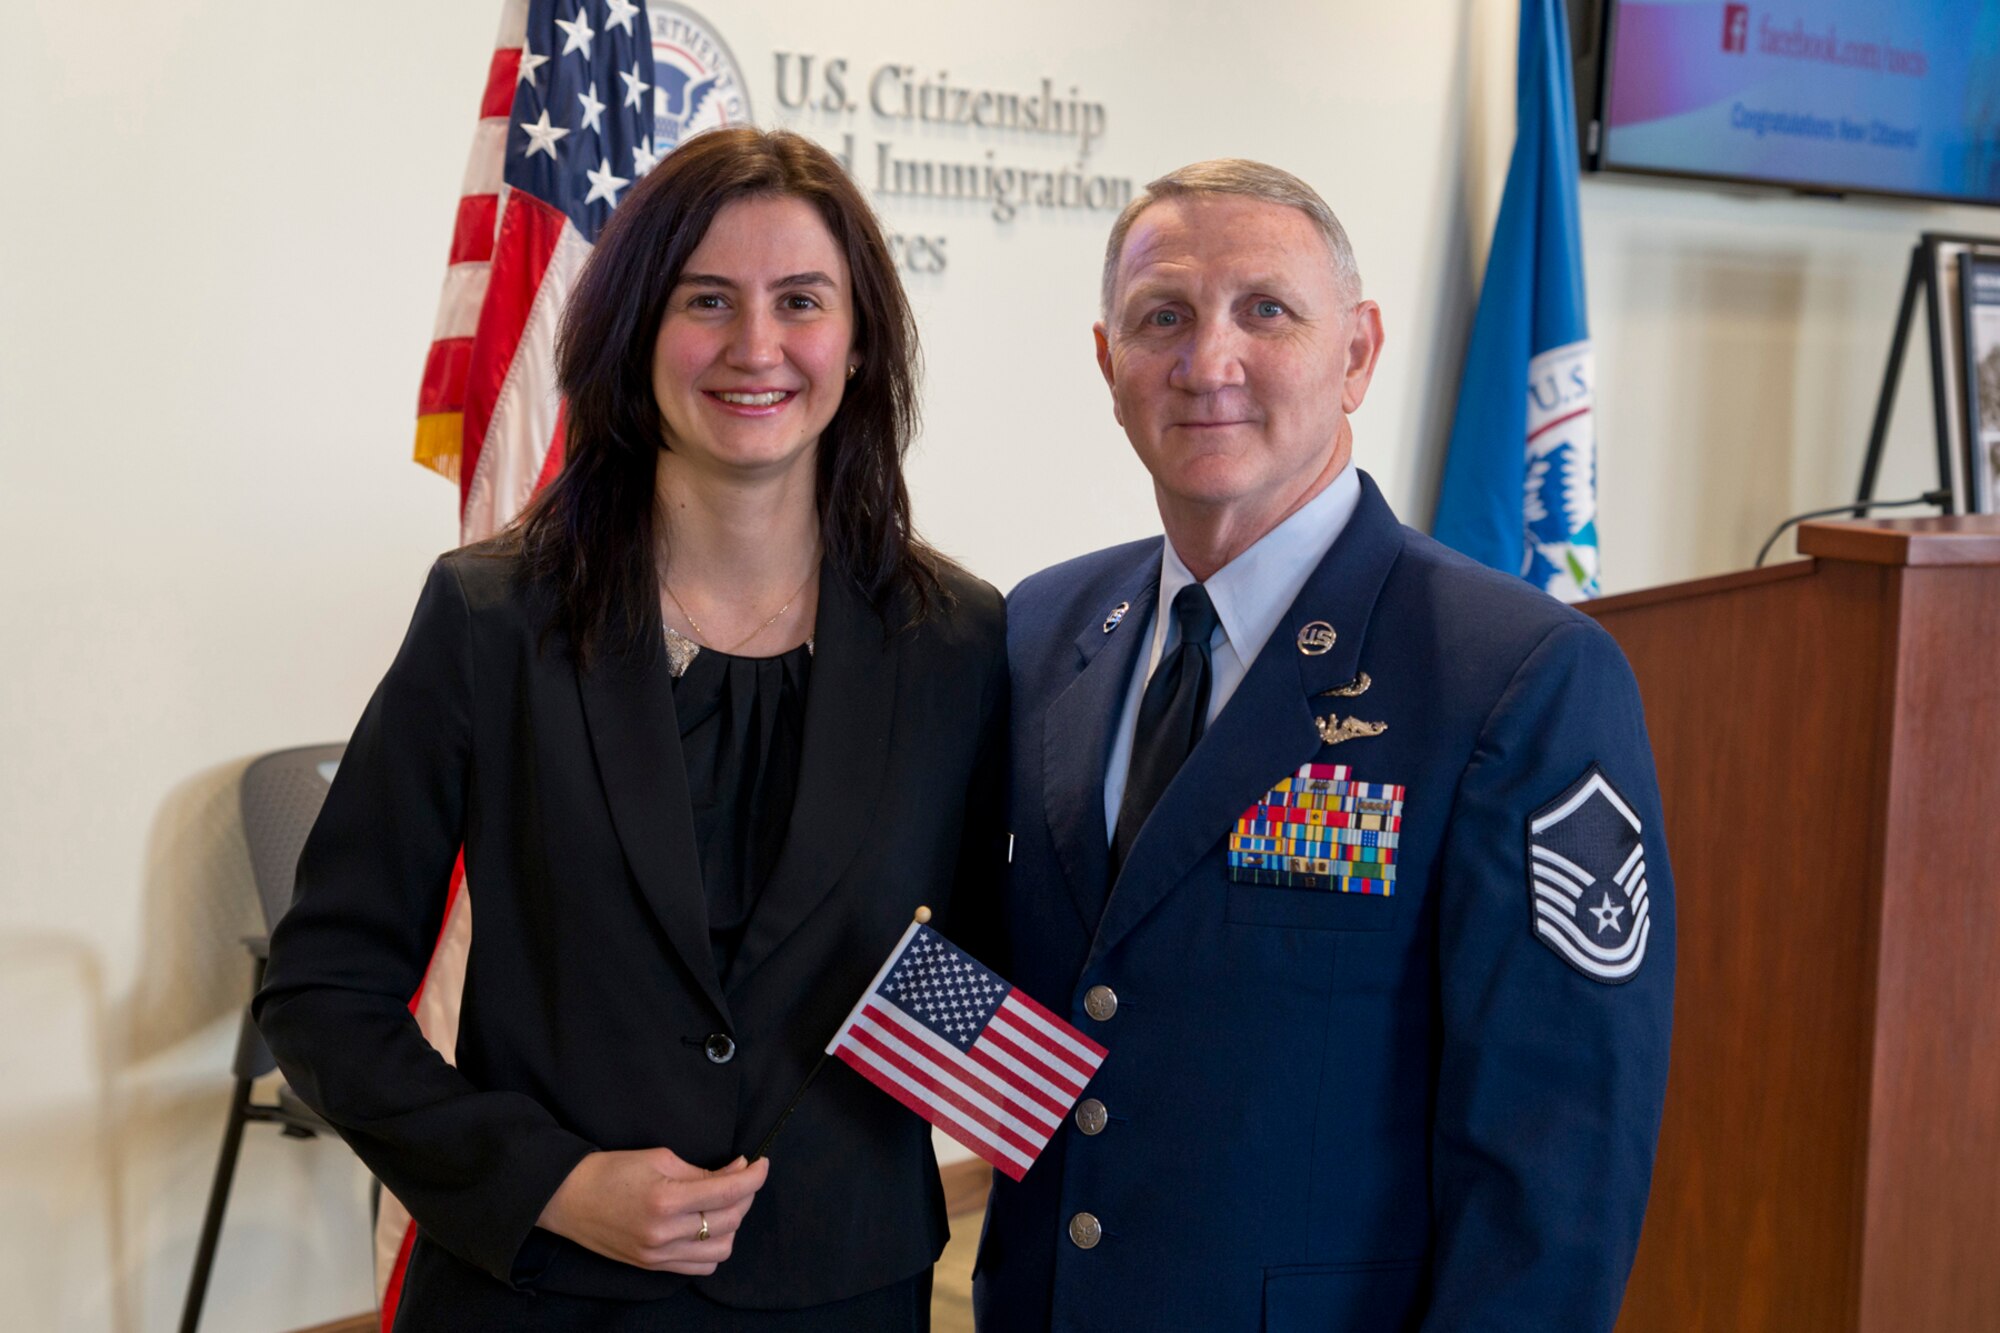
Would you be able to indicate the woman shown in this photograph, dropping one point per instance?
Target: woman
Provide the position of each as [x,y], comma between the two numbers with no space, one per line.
[709,724]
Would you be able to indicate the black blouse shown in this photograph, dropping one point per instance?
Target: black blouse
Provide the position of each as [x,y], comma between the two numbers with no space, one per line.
[742,724]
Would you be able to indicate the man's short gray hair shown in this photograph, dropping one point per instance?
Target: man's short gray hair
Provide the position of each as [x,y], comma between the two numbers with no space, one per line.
[1235,175]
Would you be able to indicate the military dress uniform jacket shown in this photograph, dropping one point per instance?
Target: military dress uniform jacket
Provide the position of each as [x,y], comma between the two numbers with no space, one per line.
[1388,1036]
[593,1015]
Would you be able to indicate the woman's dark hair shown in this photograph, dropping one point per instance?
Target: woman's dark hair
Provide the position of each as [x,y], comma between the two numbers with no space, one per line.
[591,537]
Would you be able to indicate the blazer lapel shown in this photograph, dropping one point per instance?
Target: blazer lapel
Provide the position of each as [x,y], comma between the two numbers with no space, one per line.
[1078,729]
[628,706]
[850,711]
[1266,730]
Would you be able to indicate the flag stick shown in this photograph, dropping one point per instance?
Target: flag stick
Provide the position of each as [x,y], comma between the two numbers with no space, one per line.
[765,1147]
[923,915]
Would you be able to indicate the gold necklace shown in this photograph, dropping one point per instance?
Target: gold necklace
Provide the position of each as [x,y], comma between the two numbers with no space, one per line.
[701,635]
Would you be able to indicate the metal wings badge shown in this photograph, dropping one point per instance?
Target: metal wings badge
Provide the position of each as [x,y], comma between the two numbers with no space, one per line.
[1333,728]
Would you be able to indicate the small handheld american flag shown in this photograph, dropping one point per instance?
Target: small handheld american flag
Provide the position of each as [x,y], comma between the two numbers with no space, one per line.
[966,1051]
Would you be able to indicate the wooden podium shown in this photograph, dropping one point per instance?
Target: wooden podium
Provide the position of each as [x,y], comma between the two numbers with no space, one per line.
[1828,740]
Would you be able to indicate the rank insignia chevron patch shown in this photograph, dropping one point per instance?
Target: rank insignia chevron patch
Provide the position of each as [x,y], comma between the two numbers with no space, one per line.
[1587,880]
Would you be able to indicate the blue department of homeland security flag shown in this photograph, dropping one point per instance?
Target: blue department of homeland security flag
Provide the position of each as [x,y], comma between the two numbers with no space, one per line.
[1520,487]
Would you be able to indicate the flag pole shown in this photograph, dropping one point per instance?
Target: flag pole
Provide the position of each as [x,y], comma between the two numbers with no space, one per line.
[923,915]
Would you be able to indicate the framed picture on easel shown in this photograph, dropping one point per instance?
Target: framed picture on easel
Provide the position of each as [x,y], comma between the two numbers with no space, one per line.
[1954,279]
[1979,336]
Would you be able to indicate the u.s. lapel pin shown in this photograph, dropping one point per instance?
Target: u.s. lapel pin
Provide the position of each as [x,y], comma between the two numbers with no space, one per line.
[1316,638]
[1333,728]
[1117,614]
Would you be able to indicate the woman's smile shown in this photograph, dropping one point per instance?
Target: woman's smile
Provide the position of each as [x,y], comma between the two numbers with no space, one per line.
[752,402]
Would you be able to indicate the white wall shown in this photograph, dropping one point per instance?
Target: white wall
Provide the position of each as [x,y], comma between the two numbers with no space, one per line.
[219,256]
[1741,348]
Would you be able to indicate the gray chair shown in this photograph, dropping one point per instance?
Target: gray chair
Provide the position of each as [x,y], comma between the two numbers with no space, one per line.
[280,798]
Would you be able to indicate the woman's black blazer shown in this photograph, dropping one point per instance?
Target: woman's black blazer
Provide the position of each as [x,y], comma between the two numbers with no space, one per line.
[592,1006]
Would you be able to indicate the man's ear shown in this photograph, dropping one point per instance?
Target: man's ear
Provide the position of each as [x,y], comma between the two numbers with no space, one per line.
[1103,341]
[1364,348]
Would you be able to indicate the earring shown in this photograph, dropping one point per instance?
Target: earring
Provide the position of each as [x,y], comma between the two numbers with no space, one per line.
[851,370]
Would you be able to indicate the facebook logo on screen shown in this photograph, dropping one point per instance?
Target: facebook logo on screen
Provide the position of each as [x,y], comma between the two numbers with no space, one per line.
[1735,28]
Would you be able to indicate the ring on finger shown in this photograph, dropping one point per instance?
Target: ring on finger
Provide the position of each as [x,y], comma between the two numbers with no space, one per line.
[703,1233]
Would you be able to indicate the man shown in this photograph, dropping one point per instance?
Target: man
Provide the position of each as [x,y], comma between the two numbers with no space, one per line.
[1348,849]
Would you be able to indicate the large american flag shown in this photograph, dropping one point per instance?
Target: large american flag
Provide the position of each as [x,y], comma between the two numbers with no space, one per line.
[966,1051]
[565,127]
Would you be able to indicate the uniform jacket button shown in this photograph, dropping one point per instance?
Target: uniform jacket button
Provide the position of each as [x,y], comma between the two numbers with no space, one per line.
[720,1047]
[1091,1116]
[1085,1232]
[1100,1002]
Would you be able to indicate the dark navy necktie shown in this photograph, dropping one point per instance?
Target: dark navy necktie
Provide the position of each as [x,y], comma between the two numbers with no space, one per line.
[1172,715]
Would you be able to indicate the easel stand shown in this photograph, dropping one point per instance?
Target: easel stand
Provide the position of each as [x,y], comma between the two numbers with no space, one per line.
[1956,457]
[1921,280]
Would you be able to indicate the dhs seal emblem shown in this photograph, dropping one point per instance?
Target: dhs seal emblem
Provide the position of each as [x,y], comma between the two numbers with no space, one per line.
[699,85]
[1560,547]
[1587,880]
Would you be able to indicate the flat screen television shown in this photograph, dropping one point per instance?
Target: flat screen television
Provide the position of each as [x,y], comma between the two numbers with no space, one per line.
[1887,97]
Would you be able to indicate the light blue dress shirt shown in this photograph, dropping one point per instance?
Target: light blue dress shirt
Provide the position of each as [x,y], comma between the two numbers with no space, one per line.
[1251,595]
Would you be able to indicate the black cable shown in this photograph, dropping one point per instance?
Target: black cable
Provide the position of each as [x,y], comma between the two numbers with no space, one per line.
[1939,498]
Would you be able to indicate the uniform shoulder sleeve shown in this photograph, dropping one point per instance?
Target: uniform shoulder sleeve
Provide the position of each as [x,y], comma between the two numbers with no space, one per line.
[1555,955]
